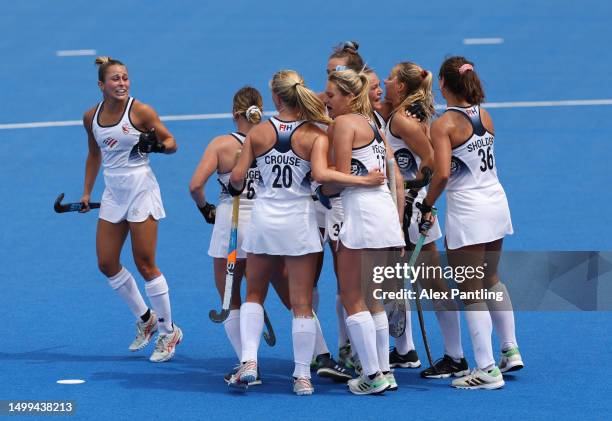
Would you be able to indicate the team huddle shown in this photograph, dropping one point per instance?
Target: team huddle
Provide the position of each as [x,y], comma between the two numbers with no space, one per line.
[339,167]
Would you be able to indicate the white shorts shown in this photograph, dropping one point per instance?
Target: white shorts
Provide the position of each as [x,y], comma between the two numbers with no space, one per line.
[131,194]
[219,240]
[435,233]
[476,216]
[283,228]
[334,219]
[370,219]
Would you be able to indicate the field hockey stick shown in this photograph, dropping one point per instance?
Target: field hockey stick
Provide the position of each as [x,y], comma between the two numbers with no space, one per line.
[71,207]
[415,288]
[269,336]
[230,266]
[231,263]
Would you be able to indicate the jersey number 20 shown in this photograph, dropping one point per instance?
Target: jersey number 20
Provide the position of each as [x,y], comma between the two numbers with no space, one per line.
[284,176]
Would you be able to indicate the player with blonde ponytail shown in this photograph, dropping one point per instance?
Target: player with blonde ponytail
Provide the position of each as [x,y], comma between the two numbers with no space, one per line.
[283,226]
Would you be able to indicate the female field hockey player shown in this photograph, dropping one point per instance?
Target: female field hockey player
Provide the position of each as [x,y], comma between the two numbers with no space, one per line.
[371,221]
[121,133]
[283,224]
[408,84]
[477,216]
[220,156]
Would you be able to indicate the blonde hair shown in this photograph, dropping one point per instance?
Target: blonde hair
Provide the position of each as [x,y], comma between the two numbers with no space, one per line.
[419,84]
[350,82]
[248,102]
[289,86]
[103,63]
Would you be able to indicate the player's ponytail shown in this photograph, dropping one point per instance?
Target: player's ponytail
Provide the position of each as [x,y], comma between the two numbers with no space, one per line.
[248,102]
[350,82]
[289,86]
[419,84]
[461,79]
[103,63]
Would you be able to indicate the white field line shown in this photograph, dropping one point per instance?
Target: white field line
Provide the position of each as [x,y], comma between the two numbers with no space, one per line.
[483,41]
[75,53]
[218,116]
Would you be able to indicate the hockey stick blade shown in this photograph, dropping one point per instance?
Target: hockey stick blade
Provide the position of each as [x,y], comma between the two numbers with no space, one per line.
[269,336]
[218,317]
[60,207]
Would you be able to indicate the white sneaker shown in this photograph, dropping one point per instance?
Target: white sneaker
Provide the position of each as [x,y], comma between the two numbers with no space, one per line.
[302,386]
[480,379]
[166,345]
[392,383]
[363,385]
[511,360]
[144,332]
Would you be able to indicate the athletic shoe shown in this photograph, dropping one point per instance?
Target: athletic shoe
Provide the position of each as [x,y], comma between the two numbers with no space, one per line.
[166,345]
[247,372]
[511,360]
[363,385]
[144,332]
[302,386]
[328,367]
[392,383]
[344,355]
[446,367]
[228,377]
[480,379]
[408,360]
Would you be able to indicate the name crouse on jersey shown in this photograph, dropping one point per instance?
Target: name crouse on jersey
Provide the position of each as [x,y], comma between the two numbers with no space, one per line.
[284,174]
[473,162]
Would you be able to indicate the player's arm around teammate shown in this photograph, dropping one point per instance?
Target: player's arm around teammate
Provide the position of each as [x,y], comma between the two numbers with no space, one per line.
[121,132]
[477,216]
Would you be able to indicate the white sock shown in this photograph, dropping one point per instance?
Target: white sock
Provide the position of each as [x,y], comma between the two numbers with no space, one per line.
[157,291]
[381,323]
[232,329]
[315,299]
[450,326]
[404,343]
[363,339]
[481,327]
[304,332]
[341,315]
[503,317]
[320,344]
[125,285]
[251,327]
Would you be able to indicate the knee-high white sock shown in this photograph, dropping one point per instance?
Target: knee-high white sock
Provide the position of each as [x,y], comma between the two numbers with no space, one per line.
[320,344]
[363,339]
[381,323]
[481,327]
[450,326]
[502,315]
[341,315]
[315,299]
[232,329]
[304,332]
[251,327]
[125,285]
[157,291]
[404,343]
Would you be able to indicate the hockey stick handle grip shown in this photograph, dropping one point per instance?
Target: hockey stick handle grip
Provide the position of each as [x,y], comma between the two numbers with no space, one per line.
[416,183]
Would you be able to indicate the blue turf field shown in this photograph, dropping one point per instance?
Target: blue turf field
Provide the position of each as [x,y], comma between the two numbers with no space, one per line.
[61,320]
